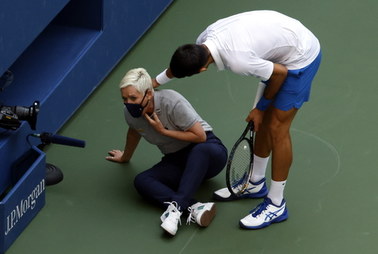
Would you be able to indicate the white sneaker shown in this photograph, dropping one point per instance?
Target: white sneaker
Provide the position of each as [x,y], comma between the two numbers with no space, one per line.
[171,218]
[254,190]
[202,213]
[265,214]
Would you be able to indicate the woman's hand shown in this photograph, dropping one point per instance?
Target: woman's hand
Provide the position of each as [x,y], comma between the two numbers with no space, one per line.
[155,122]
[194,134]
[116,156]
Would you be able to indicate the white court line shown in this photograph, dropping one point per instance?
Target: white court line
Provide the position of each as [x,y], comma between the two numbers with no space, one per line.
[189,241]
[229,90]
[331,147]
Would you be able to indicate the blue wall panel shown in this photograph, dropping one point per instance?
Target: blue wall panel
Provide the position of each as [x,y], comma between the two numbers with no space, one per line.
[59,51]
[66,62]
[21,21]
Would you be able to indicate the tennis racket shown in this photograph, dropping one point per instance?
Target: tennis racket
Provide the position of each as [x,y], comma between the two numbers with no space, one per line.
[240,162]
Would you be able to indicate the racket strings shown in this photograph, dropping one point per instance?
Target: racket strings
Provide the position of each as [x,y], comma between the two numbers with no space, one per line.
[240,166]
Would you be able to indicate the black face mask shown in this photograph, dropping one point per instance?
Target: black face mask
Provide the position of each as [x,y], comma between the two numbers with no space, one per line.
[135,110]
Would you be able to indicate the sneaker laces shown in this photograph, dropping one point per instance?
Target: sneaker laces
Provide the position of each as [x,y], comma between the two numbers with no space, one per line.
[260,208]
[173,207]
[191,217]
[192,214]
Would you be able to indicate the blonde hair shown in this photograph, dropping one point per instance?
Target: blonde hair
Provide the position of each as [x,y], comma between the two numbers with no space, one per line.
[139,78]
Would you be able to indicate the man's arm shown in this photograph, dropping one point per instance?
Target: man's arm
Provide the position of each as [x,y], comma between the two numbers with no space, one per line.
[273,86]
[275,81]
[132,141]
[162,78]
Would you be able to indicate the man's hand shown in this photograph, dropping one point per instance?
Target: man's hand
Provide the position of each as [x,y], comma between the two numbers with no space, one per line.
[116,156]
[256,116]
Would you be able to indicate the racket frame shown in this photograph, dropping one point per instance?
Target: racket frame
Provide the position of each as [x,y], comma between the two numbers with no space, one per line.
[250,140]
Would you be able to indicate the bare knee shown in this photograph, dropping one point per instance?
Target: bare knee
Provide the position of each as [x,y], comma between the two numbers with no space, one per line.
[279,124]
[278,132]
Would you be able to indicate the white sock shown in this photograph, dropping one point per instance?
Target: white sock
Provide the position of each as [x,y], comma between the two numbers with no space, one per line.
[259,168]
[276,192]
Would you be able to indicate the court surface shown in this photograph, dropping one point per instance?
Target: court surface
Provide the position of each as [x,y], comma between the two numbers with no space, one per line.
[331,191]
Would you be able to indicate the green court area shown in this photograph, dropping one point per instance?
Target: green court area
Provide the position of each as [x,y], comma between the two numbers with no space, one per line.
[330,192]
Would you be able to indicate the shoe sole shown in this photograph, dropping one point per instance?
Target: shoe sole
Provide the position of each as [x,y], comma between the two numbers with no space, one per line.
[208,216]
[168,229]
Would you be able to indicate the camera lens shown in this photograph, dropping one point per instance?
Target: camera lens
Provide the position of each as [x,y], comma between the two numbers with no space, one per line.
[10,116]
[22,112]
[28,114]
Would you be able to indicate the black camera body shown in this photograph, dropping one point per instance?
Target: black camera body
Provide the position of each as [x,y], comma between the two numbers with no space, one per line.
[11,116]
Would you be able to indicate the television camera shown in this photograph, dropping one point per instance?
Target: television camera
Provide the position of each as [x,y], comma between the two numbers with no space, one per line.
[11,116]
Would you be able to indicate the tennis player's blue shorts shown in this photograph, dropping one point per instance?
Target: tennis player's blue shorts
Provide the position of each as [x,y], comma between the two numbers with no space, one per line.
[296,88]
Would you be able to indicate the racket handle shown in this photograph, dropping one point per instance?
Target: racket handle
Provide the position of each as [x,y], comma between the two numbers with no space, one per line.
[251,125]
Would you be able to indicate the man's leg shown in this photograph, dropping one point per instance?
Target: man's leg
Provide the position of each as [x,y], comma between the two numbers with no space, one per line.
[275,135]
[274,138]
[279,132]
[263,142]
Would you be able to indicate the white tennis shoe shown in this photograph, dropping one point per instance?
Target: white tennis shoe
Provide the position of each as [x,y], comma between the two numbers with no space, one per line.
[201,213]
[171,218]
[265,214]
[254,190]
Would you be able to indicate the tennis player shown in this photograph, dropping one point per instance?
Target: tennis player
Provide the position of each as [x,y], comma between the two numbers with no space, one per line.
[192,153]
[285,56]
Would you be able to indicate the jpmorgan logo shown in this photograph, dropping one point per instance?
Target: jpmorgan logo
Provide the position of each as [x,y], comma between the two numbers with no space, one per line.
[26,205]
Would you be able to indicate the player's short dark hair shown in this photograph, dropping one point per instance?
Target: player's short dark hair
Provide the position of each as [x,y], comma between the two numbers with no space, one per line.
[188,60]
